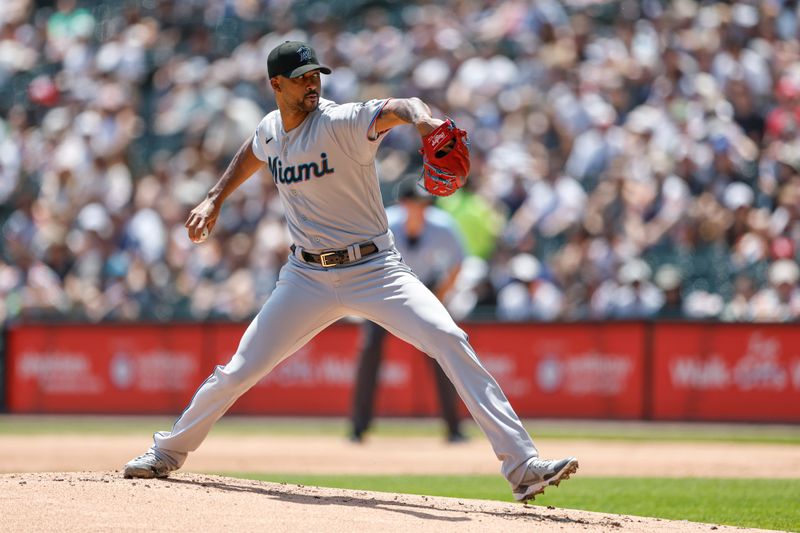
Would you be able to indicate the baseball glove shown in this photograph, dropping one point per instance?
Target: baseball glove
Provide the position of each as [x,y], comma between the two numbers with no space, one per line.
[445,171]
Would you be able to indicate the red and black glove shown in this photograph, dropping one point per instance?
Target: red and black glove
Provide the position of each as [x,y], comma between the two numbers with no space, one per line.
[445,159]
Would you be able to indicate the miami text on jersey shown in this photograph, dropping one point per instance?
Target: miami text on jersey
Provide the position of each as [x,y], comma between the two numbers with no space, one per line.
[301,172]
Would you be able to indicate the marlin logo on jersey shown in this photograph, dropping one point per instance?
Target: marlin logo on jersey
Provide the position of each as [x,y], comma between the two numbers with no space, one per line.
[301,172]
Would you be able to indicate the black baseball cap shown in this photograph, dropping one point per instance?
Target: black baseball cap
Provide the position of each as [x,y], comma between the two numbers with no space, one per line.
[293,59]
[409,188]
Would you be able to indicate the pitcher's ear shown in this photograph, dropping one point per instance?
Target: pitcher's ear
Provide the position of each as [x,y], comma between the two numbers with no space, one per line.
[273,82]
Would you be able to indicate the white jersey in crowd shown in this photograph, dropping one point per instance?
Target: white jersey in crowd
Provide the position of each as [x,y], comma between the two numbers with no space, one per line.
[334,143]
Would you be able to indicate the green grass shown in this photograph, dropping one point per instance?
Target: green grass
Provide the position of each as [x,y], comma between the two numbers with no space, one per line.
[759,503]
[763,503]
[70,424]
[387,427]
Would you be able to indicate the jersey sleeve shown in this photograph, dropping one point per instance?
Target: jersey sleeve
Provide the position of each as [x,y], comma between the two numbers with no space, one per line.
[354,129]
[259,140]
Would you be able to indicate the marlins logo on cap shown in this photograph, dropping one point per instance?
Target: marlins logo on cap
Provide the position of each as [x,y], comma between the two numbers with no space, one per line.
[304,53]
[293,59]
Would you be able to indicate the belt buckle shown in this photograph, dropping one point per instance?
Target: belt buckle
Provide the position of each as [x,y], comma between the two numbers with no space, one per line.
[323,259]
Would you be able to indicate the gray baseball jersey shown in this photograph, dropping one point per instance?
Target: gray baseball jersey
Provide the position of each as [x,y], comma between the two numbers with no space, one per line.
[436,251]
[325,172]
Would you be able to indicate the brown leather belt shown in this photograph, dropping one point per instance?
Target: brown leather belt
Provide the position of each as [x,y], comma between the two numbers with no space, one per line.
[334,258]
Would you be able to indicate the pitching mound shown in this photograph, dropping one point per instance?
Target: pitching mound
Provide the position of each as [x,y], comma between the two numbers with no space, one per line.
[103,501]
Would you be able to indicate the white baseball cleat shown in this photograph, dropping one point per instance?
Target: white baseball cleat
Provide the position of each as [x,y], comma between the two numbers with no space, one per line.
[147,466]
[542,473]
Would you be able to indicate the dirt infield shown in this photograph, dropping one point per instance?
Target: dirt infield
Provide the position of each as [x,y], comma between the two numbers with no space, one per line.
[401,455]
[72,483]
[103,501]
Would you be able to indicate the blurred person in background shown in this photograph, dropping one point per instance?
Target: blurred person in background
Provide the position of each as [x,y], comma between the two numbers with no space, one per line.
[669,279]
[631,295]
[780,301]
[740,306]
[430,243]
[529,294]
[478,219]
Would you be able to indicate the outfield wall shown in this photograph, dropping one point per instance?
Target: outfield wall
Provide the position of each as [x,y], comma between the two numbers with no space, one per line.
[610,370]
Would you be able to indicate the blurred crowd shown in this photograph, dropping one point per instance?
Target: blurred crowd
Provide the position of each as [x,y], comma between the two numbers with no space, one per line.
[630,159]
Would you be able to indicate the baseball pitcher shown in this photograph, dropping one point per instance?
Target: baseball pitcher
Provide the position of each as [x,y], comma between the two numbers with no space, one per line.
[321,156]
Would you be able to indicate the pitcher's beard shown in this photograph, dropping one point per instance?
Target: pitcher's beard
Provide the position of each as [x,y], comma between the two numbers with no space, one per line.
[307,105]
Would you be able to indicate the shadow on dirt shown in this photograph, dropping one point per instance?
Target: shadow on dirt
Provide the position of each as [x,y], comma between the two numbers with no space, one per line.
[463,513]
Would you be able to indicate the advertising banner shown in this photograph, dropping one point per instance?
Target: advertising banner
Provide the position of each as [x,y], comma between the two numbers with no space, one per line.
[664,371]
[566,370]
[102,369]
[545,370]
[156,369]
[726,372]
